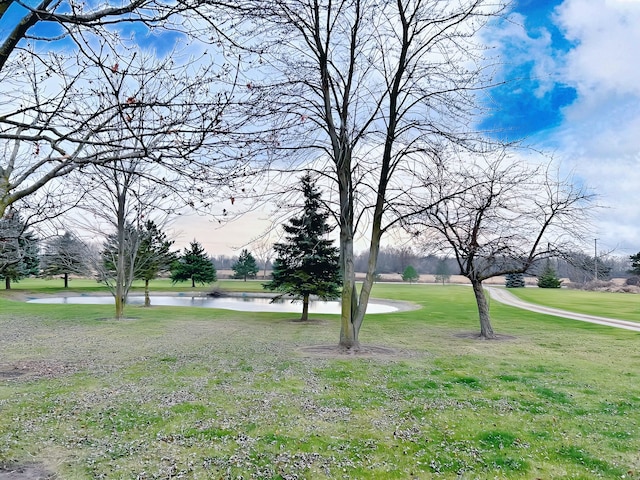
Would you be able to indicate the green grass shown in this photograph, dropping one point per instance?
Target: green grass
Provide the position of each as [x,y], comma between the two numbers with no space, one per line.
[198,393]
[624,306]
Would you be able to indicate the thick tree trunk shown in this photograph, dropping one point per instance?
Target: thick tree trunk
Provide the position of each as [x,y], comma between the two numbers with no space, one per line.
[486,331]
[348,330]
[7,283]
[147,299]
[66,280]
[305,308]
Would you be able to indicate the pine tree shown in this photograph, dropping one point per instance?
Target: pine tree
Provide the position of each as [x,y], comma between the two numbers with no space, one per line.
[245,267]
[514,280]
[108,271]
[154,256]
[194,265]
[18,249]
[635,264]
[548,278]
[64,255]
[442,271]
[307,263]
[410,275]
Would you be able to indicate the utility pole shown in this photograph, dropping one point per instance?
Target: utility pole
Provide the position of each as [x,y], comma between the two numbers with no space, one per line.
[595,258]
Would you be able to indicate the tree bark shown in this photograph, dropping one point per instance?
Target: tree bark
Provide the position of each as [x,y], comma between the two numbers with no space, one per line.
[193,282]
[486,331]
[147,300]
[120,261]
[66,280]
[305,308]
[7,283]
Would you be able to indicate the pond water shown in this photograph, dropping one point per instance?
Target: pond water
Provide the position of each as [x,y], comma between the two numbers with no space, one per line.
[243,303]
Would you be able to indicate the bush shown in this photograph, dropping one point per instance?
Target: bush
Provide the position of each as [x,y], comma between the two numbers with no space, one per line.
[634,281]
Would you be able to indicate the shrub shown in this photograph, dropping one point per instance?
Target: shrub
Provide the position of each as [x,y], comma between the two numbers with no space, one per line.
[634,281]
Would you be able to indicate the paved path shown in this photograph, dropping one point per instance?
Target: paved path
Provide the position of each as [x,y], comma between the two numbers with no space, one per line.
[503,296]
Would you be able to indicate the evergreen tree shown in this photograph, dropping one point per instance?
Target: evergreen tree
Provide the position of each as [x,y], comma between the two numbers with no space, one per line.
[154,256]
[635,264]
[108,270]
[18,249]
[410,275]
[548,278]
[245,267]
[442,271]
[194,265]
[306,262]
[64,255]
[514,280]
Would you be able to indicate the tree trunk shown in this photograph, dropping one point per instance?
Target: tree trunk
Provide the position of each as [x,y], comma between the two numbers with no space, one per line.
[305,308]
[348,330]
[147,300]
[486,331]
[193,282]
[120,261]
[66,280]
[7,283]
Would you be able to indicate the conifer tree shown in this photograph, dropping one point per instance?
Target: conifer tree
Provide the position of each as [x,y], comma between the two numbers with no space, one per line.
[514,280]
[65,255]
[245,267]
[154,256]
[410,275]
[18,249]
[548,278]
[307,263]
[194,265]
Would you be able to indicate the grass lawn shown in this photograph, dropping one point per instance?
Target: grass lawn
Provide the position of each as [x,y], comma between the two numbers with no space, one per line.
[625,306]
[207,394]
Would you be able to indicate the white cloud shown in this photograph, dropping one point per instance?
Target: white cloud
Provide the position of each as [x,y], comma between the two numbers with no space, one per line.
[599,136]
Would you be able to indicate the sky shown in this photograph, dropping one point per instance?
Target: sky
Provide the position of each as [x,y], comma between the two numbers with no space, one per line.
[571,72]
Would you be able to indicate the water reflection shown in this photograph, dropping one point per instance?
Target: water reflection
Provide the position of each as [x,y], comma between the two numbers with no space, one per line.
[243,303]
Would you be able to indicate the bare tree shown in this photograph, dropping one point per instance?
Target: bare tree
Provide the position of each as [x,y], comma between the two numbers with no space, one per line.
[263,249]
[161,120]
[499,216]
[366,93]
[43,134]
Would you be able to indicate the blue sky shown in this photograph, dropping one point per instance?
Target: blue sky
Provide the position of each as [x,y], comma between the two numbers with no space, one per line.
[571,72]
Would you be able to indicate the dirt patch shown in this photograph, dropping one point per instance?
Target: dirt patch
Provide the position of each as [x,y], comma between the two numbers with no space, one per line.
[25,472]
[476,336]
[36,368]
[365,351]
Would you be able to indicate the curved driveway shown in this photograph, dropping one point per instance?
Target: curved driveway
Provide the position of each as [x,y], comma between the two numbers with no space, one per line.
[503,296]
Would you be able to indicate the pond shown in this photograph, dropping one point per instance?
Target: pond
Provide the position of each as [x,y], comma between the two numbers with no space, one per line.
[242,303]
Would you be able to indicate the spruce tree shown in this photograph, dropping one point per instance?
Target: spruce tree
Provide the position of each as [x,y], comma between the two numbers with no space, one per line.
[514,280]
[307,263]
[410,274]
[154,256]
[65,255]
[245,267]
[18,249]
[548,278]
[194,265]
